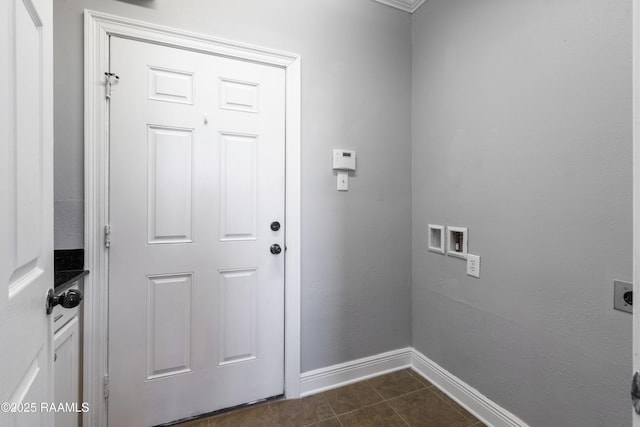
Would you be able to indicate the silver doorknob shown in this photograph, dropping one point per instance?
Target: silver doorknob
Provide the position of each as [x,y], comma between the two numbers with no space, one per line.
[275,249]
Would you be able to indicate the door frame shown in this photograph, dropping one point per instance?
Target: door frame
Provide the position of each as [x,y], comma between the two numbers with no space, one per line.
[636,193]
[98,27]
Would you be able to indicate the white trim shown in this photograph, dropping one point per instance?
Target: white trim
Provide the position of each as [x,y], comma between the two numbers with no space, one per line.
[472,400]
[98,28]
[466,396]
[406,5]
[636,192]
[146,31]
[96,50]
[323,379]
[293,248]
[443,238]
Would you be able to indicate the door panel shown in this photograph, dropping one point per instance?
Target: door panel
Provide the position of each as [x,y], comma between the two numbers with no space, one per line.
[170,191]
[169,334]
[170,85]
[238,187]
[237,307]
[28,177]
[196,299]
[26,210]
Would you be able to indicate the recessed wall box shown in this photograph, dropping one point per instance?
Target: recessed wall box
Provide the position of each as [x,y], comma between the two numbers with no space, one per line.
[623,296]
[436,238]
[344,160]
[457,241]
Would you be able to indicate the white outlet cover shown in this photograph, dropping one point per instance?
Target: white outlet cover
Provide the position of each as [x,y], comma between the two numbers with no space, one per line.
[343,181]
[473,265]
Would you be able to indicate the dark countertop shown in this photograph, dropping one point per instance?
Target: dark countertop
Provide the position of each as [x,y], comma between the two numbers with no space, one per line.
[68,259]
[64,278]
[68,267]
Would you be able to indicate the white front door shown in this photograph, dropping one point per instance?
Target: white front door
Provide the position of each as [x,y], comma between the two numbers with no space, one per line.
[26,211]
[196,296]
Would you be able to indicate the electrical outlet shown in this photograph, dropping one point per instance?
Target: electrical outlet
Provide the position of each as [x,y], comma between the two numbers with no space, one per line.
[623,296]
[473,265]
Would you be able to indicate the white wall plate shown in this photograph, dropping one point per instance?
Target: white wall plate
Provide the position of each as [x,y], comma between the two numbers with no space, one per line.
[436,238]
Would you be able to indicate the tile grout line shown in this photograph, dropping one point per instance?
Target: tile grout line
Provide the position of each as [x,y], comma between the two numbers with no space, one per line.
[376,390]
[409,392]
[423,387]
[368,406]
[324,399]
[322,420]
[316,421]
[363,407]
[374,404]
[396,412]
[416,375]
[456,409]
[430,385]
[388,404]
[401,395]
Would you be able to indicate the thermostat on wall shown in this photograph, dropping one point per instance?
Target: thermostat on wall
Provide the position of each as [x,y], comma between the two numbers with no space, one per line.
[344,160]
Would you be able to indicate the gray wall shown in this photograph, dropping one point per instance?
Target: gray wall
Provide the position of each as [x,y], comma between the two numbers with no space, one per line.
[522,132]
[356,81]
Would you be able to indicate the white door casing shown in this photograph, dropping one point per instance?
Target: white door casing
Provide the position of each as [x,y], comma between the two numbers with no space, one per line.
[98,28]
[636,197]
[196,297]
[26,211]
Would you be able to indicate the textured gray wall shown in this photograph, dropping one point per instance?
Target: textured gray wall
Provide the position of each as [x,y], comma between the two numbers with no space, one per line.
[522,132]
[356,81]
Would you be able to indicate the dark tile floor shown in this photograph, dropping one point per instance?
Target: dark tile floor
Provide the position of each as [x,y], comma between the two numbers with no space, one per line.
[401,398]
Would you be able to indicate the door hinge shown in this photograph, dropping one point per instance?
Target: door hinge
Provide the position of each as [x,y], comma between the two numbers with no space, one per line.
[107,236]
[109,80]
[105,383]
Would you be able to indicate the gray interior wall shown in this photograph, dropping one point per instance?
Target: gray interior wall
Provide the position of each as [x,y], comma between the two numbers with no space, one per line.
[522,132]
[356,77]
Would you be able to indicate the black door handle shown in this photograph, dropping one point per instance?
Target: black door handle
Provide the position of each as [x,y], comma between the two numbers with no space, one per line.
[69,299]
[275,249]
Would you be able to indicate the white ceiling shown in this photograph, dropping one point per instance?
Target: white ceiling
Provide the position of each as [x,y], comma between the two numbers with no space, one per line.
[406,5]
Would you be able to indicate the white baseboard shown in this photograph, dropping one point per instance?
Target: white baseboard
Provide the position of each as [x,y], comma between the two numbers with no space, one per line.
[466,396]
[323,379]
[472,400]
